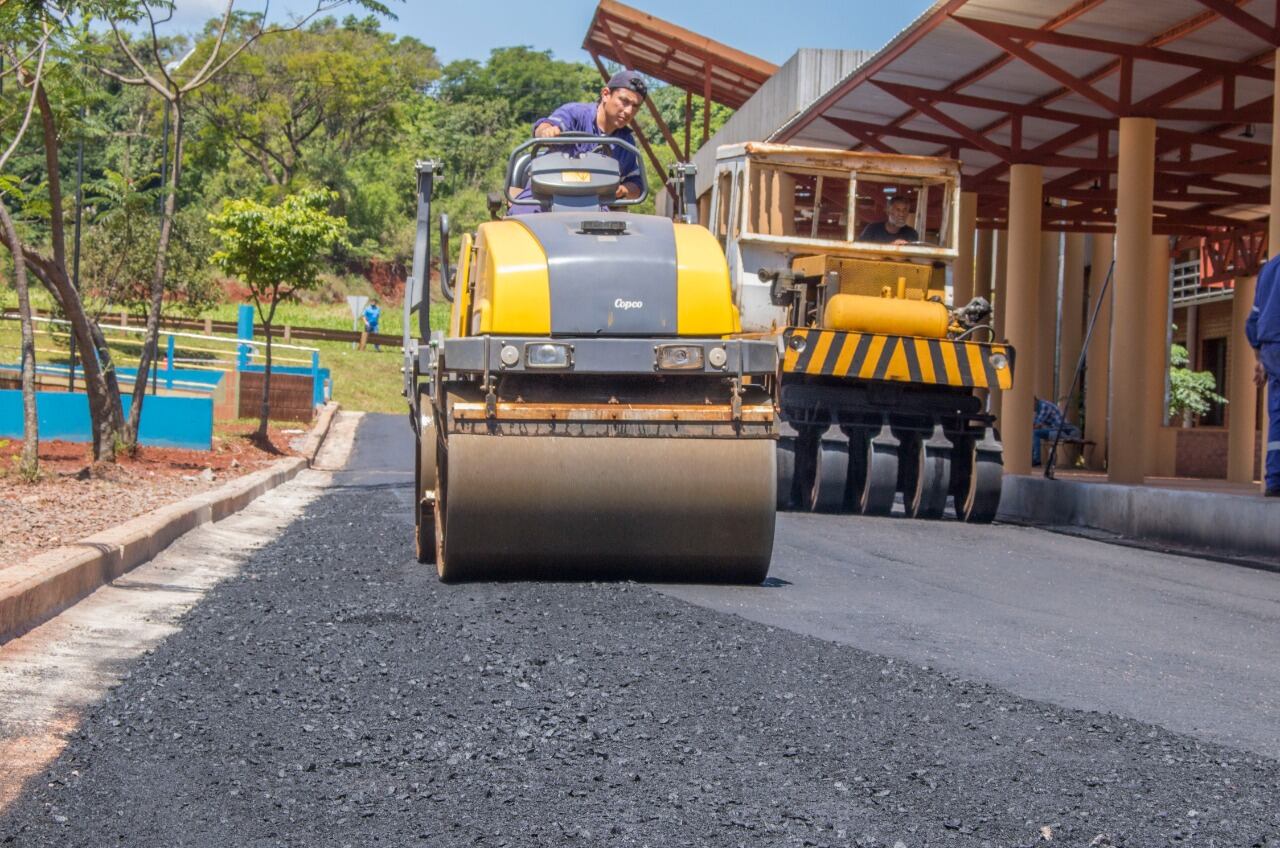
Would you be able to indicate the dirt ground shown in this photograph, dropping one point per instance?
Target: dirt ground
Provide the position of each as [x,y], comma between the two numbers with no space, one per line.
[71,501]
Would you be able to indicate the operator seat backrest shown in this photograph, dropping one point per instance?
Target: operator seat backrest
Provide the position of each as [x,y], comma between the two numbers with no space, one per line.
[520,175]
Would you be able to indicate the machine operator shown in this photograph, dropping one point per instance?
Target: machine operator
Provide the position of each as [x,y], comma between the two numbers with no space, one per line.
[611,115]
[893,229]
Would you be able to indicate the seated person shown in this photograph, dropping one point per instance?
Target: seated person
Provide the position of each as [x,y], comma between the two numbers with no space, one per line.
[611,115]
[1048,422]
[894,229]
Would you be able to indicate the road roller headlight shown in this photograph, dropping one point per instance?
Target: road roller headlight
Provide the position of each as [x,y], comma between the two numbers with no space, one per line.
[547,355]
[509,355]
[679,357]
[717,356]
[998,361]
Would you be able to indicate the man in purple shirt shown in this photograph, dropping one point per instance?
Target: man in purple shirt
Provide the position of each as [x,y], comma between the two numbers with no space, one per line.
[611,115]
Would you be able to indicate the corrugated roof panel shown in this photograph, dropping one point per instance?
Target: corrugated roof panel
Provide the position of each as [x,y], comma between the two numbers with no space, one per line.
[1027,13]
[635,39]
[940,53]
[1134,21]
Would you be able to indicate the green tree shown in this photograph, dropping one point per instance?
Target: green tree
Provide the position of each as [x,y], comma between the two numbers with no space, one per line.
[669,101]
[163,74]
[276,251]
[29,462]
[330,91]
[1191,393]
[120,243]
[529,81]
[37,32]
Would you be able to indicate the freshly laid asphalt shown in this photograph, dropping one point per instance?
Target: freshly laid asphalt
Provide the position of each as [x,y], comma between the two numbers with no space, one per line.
[334,693]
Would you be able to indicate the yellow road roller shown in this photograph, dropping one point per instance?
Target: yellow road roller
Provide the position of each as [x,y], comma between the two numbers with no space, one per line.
[842,258]
[589,410]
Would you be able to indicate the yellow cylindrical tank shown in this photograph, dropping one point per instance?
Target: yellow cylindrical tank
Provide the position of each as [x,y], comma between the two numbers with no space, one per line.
[857,313]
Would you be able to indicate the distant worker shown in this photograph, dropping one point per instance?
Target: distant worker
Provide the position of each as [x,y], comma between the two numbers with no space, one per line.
[372,315]
[1263,329]
[893,229]
[611,115]
[1047,424]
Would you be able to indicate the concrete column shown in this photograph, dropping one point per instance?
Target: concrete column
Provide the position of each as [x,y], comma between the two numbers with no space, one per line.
[1026,186]
[1047,316]
[999,282]
[1127,451]
[1098,364]
[962,272]
[1242,411]
[1159,455]
[999,297]
[1072,333]
[984,257]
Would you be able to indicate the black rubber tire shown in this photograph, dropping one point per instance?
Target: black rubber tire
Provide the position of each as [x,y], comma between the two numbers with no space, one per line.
[881,480]
[911,473]
[831,477]
[806,467]
[982,497]
[961,475]
[786,472]
[934,481]
[858,447]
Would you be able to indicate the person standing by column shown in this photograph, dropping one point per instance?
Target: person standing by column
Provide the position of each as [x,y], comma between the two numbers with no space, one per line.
[1263,330]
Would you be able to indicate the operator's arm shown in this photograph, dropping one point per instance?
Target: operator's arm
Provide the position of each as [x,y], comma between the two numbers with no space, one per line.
[1261,297]
[559,121]
[629,167]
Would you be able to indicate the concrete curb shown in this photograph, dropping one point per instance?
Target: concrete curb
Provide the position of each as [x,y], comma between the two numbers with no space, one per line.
[1221,524]
[45,585]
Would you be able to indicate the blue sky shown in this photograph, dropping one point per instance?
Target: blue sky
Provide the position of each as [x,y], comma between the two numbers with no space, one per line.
[470,28]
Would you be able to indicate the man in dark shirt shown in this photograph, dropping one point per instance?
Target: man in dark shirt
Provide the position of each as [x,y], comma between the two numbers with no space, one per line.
[894,229]
[611,115]
[1046,425]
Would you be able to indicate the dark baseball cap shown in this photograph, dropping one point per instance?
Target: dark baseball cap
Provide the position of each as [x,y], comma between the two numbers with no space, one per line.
[629,79]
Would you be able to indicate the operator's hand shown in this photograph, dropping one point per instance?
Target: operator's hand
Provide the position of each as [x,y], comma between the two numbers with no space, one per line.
[546,130]
[901,241]
[1259,374]
[627,190]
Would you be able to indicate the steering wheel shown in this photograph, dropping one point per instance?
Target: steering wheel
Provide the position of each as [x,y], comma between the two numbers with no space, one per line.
[518,163]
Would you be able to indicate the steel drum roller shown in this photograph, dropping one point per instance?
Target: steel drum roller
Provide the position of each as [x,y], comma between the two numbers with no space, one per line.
[673,508]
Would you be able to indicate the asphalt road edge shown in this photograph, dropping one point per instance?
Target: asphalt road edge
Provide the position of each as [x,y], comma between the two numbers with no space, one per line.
[48,583]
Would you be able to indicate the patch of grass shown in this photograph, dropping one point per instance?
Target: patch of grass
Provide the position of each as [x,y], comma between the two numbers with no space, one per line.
[331,316]
[364,380]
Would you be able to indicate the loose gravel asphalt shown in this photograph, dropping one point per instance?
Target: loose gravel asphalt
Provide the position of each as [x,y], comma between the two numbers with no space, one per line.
[333,693]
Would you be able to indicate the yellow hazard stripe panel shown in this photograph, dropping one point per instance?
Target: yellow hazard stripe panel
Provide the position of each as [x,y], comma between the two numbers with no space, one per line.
[873,356]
